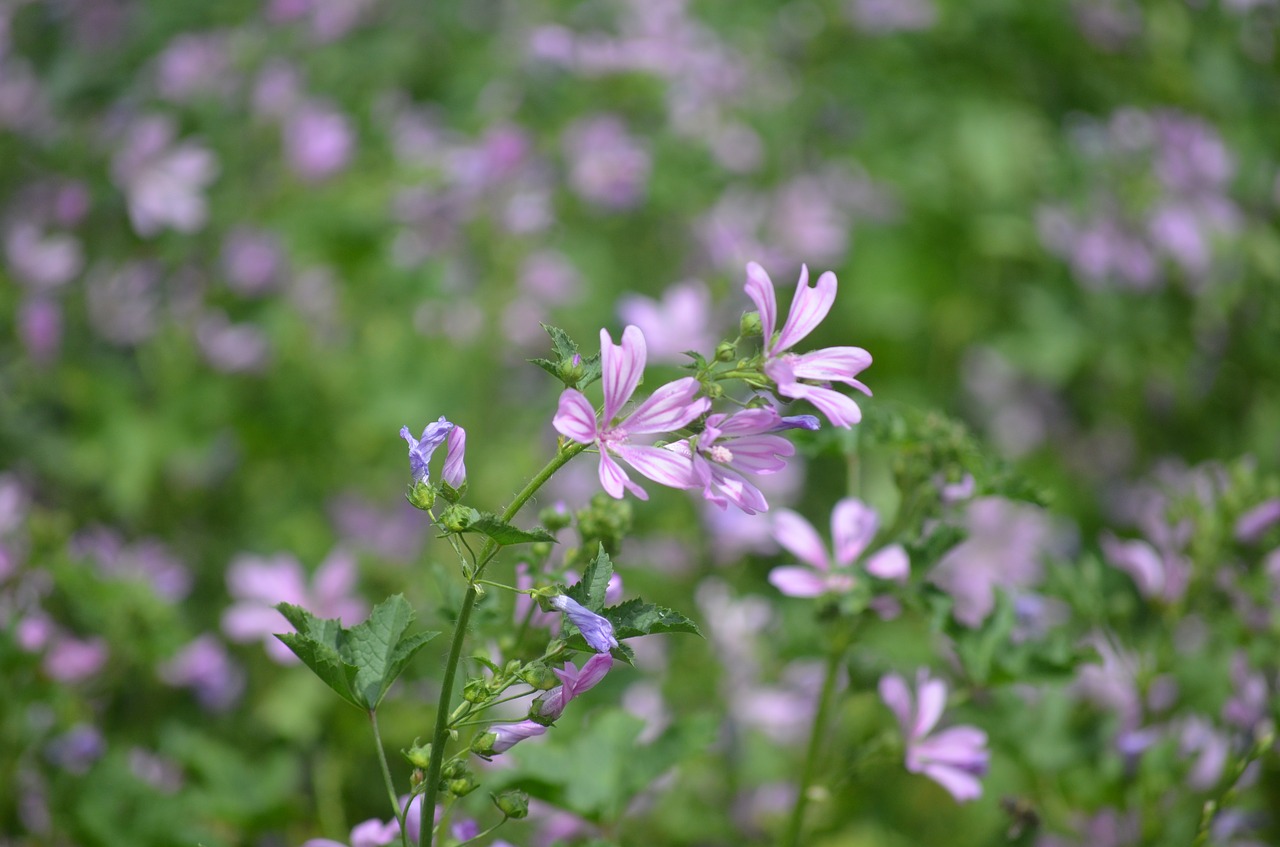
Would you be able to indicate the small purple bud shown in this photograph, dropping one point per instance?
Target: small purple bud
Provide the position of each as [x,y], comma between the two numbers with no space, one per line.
[596,630]
[809,422]
[455,468]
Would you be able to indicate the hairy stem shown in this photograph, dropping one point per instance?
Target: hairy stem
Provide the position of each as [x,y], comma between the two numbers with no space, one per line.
[441,735]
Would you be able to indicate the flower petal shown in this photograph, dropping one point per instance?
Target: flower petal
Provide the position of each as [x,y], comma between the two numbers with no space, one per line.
[853,525]
[798,535]
[665,467]
[622,365]
[832,364]
[760,453]
[795,581]
[808,308]
[932,697]
[615,481]
[961,785]
[839,409]
[897,696]
[890,563]
[455,467]
[669,408]
[576,418]
[760,290]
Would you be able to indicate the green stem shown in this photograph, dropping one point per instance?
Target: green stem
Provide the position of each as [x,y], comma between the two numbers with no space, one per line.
[816,738]
[386,776]
[431,788]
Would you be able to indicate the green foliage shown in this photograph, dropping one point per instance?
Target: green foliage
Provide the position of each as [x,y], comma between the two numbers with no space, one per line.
[359,663]
[574,375]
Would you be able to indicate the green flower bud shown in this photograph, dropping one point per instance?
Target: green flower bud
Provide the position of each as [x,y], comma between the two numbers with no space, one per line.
[539,676]
[476,691]
[453,495]
[571,370]
[726,351]
[457,518]
[555,517]
[750,325]
[514,804]
[421,495]
[482,745]
[462,786]
[419,755]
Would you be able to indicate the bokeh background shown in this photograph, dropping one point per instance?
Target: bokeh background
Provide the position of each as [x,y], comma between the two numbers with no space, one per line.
[244,242]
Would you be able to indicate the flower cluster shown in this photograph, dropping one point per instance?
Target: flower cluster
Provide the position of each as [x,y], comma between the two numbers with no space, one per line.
[724,448]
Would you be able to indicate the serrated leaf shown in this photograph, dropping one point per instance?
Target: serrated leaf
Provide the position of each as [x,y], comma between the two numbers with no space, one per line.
[590,590]
[360,663]
[379,649]
[505,534]
[547,365]
[636,617]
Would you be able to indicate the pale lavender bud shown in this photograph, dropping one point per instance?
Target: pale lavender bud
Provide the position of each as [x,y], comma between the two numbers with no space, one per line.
[455,469]
[597,631]
[506,736]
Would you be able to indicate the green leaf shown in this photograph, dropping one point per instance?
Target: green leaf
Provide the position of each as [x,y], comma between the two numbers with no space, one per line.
[360,663]
[590,590]
[636,617]
[505,534]
[379,648]
[318,643]
[565,349]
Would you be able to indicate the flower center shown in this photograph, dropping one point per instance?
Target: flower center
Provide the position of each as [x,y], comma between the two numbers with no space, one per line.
[722,455]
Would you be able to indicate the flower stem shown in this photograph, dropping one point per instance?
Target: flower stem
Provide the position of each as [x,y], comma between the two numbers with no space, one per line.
[386,776]
[816,737]
[441,735]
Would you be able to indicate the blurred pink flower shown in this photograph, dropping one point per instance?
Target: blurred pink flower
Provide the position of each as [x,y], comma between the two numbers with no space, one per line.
[607,166]
[258,583]
[163,181]
[1006,542]
[954,758]
[853,526]
[678,322]
[204,666]
[318,141]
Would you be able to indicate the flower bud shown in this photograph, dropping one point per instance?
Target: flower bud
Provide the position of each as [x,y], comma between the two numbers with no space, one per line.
[462,786]
[514,804]
[421,495]
[750,325]
[571,370]
[539,676]
[555,517]
[457,518]
[419,755]
[726,351]
[476,691]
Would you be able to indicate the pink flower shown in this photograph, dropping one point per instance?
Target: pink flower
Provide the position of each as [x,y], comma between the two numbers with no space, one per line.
[953,758]
[853,525]
[669,408]
[832,364]
[730,445]
[259,583]
[574,681]
[676,323]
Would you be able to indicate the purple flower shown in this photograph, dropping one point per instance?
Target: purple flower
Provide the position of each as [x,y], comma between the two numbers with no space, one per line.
[420,449]
[40,260]
[880,17]
[204,666]
[318,141]
[573,682]
[607,167]
[853,525]
[258,584]
[674,324]
[669,408]
[1160,574]
[163,182]
[597,631]
[77,749]
[506,736]
[40,328]
[1005,545]
[252,260]
[833,364]
[71,659]
[954,758]
[232,347]
[1254,523]
[730,445]
[455,468]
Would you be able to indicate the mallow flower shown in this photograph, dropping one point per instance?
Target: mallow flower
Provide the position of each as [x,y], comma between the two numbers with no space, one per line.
[669,408]
[831,364]
[954,758]
[420,450]
[853,525]
[573,681]
[731,445]
[597,631]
